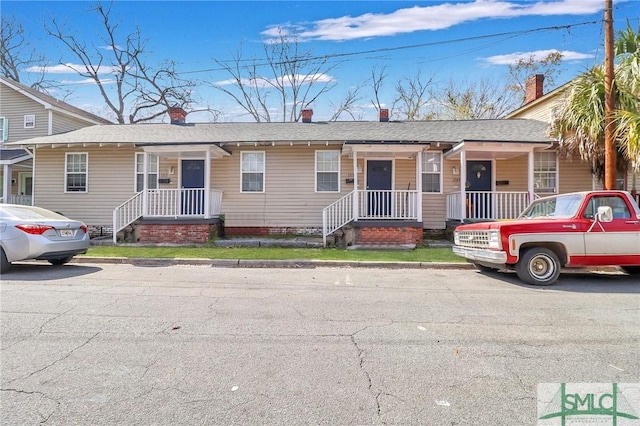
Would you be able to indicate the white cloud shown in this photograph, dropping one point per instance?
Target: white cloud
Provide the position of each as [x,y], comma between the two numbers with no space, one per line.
[70,68]
[512,58]
[265,83]
[435,17]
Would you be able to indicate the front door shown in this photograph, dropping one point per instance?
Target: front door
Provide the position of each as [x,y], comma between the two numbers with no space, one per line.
[379,177]
[192,176]
[479,184]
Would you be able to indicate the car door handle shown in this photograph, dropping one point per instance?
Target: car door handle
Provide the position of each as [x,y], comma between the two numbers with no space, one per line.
[572,226]
[632,222]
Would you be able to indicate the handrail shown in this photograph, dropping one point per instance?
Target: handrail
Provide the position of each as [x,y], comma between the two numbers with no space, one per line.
[336,215]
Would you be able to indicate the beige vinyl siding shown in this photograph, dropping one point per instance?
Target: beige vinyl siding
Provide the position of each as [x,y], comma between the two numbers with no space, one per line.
[64,123]
[434,205]
[575,175]
[515,171]
[14,106]
[110,182]
[289,198]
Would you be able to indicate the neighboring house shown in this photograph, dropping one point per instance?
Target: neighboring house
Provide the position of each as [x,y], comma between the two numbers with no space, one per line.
[26,113]
[390,180]
[545,107]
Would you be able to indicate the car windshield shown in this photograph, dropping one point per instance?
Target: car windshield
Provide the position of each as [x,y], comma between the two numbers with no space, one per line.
[562,206]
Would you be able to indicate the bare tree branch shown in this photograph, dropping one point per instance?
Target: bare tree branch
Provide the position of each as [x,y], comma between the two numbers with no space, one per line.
[133,90]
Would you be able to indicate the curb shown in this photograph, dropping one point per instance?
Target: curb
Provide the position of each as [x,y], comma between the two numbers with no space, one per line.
[283,264]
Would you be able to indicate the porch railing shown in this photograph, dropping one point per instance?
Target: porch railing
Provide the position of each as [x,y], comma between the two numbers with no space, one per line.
[486,205]
[23,200]
[168,203]
[372,205]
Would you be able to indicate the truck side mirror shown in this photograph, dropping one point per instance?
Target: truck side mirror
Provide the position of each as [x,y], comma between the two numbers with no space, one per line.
[605,214]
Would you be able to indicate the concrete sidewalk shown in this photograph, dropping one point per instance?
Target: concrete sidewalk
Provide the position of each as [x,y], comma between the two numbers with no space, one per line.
[253,263]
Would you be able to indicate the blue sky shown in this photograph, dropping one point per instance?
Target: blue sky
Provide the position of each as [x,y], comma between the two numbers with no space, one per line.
[405,37]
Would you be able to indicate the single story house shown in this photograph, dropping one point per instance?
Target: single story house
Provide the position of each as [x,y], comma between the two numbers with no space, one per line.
[390,180]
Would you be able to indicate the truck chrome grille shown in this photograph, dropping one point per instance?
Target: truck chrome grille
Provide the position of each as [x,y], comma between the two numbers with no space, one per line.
[479,239]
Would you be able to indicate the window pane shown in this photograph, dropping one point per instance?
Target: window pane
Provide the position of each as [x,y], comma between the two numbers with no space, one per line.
[430,182]
[252,162]
[252,182]
[544,172]
[76,182]
[327,182]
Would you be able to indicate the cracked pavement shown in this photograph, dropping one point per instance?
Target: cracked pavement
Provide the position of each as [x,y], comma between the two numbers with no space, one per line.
[109,344]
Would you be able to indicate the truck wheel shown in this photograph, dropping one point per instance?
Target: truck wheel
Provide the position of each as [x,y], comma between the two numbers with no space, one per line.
[631,270]
[538,266]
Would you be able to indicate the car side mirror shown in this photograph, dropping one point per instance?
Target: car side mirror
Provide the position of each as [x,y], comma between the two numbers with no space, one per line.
[605,214]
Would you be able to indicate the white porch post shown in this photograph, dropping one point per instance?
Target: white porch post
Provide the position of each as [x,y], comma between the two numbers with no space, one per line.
[356,213]
[463,184]
[207,184]
[145,183]
[6,184]
[419,185]
[530,178]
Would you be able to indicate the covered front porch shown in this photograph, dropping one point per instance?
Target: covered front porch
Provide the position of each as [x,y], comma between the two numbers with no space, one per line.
[186,197]
[481,195]
[382,213]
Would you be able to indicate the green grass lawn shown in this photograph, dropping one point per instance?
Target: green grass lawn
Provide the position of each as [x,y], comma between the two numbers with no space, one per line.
[421,254]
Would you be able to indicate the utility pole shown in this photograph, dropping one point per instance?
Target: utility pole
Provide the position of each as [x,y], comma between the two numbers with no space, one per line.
[610,152]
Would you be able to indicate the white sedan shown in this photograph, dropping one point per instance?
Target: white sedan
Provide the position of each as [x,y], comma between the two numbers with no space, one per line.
[28,232]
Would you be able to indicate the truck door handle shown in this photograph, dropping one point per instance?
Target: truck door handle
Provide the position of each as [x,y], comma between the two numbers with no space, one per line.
[572,226]
[632,222]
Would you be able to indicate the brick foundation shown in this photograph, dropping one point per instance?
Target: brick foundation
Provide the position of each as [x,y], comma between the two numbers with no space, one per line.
[388,233]
[177,233]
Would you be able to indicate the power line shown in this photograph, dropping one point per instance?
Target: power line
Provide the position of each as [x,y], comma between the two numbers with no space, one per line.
[510,34]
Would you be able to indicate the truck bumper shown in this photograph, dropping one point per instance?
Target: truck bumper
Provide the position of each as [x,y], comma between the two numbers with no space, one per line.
[490,257]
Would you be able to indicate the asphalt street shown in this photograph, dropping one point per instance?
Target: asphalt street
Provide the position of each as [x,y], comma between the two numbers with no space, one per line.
[126,344]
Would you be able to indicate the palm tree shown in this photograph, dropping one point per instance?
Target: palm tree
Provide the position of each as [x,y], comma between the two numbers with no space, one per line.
[579,126]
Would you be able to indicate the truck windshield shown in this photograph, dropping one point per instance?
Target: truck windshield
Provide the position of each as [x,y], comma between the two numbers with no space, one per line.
[562,206]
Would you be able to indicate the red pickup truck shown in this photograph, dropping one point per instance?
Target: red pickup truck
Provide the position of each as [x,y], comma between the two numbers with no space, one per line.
[580,229]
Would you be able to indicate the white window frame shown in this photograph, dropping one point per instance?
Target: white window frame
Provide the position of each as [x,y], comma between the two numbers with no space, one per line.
[67,173]
[30,121]
[263,171]
[425,170]
[4,129]
[317,171]
[546,173]
[152,184]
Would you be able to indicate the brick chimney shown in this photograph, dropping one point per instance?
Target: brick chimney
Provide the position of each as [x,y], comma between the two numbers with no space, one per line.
[177,115]
[534,88]
[306,115]
[384,115]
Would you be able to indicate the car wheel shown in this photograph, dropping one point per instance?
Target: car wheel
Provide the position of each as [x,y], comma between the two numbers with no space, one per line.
[631,270]
[538,266]
[60,261]
[4,263]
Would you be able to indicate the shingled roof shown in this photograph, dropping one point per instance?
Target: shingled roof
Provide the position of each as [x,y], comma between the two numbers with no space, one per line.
[517,130]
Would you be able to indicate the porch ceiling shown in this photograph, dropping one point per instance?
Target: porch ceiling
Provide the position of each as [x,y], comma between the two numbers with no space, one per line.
[494,150]
[394,150]
[173,151]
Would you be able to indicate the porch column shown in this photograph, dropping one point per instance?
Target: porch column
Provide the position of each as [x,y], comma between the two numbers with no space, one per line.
[6,184]
[145,183]
[419,185]
[207,184]
[530,178]
[356,213]
[463,185]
